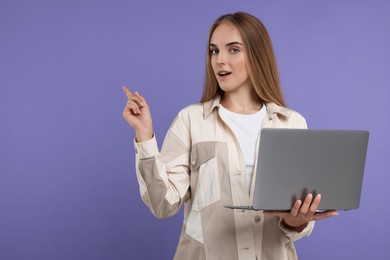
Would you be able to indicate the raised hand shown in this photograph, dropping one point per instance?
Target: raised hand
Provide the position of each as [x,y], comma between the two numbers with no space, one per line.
[138,116]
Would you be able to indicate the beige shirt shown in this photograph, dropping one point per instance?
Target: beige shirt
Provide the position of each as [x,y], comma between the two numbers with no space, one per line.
[201,166]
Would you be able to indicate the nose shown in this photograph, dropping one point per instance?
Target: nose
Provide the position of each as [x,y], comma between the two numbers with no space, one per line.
[221,58]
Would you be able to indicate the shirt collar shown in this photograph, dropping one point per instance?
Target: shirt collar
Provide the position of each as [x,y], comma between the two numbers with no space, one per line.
[209,106]
[272,108]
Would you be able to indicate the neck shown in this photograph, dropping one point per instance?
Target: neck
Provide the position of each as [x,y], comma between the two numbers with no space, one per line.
[241,102]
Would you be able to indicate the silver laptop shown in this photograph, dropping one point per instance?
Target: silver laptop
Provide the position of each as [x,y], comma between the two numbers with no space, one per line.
[294,162]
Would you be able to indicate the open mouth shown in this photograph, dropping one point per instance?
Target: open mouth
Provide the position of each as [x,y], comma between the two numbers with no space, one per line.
[224,73]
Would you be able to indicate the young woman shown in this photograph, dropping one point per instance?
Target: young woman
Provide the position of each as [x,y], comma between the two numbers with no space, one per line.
[208,156]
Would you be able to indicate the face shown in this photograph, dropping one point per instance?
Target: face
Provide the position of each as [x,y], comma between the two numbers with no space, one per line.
[228,59]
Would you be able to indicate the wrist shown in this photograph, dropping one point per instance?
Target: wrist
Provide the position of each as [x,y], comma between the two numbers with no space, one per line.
[298,228]
[142,137]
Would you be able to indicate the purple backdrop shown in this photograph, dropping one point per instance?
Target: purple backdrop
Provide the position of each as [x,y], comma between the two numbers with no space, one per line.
[67,182]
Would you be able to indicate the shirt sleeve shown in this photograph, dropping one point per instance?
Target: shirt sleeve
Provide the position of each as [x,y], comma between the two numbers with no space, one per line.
[163,177]
[294,235]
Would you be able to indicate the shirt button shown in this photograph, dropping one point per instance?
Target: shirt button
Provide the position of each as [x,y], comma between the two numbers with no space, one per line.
[257,219]
[193,162]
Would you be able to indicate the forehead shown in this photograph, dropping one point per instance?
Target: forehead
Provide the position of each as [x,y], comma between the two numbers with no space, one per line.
[225,33]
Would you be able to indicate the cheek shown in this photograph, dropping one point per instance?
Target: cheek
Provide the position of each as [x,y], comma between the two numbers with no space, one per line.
[238,61]
[213,63]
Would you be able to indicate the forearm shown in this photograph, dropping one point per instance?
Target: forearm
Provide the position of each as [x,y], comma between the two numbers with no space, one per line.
[163,180]
[163,200]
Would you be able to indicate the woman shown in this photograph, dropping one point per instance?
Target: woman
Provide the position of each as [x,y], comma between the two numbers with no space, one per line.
[208,155]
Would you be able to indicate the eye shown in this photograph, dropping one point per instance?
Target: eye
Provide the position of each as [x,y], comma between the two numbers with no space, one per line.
[234,50]
[214,51]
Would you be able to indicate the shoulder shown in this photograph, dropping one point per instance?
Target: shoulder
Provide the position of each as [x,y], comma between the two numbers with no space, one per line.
[293,114]
[188,121]
[297,119]
[186,116]
[190,113]
[287,116]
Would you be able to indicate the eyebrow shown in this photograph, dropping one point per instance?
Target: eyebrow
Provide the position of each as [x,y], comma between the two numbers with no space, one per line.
[227,44]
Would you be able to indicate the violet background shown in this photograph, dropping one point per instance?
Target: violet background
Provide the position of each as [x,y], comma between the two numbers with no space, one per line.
[67,181]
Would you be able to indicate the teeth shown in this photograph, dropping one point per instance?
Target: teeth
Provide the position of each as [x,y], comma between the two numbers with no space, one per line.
[223,73]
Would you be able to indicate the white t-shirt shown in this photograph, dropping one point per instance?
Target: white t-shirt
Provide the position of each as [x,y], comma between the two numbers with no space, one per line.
[246,128]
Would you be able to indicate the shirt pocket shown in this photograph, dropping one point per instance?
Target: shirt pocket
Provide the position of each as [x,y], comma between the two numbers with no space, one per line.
[205,188]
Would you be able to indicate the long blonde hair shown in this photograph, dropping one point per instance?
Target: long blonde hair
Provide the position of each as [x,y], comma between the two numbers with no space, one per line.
[260,58]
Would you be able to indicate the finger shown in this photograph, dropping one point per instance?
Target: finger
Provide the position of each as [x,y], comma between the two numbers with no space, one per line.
[127,91]
[325,214]
[142,100]
[295,209]
[315,204]
[306,204]
[137,99]
[133,106]
[132,110]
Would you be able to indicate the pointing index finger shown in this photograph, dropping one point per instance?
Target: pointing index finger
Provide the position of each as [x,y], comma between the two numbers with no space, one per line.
[127,91]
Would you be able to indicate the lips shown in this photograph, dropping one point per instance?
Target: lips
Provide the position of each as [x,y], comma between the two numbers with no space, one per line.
[224,73]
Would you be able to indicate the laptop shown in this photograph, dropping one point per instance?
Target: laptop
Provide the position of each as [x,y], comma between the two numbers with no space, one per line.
[294,162]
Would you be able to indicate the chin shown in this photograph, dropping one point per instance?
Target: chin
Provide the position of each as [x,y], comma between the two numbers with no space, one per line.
[225,88]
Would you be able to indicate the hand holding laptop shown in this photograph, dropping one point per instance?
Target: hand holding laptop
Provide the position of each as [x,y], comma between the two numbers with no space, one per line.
[301,213]
[294,165]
